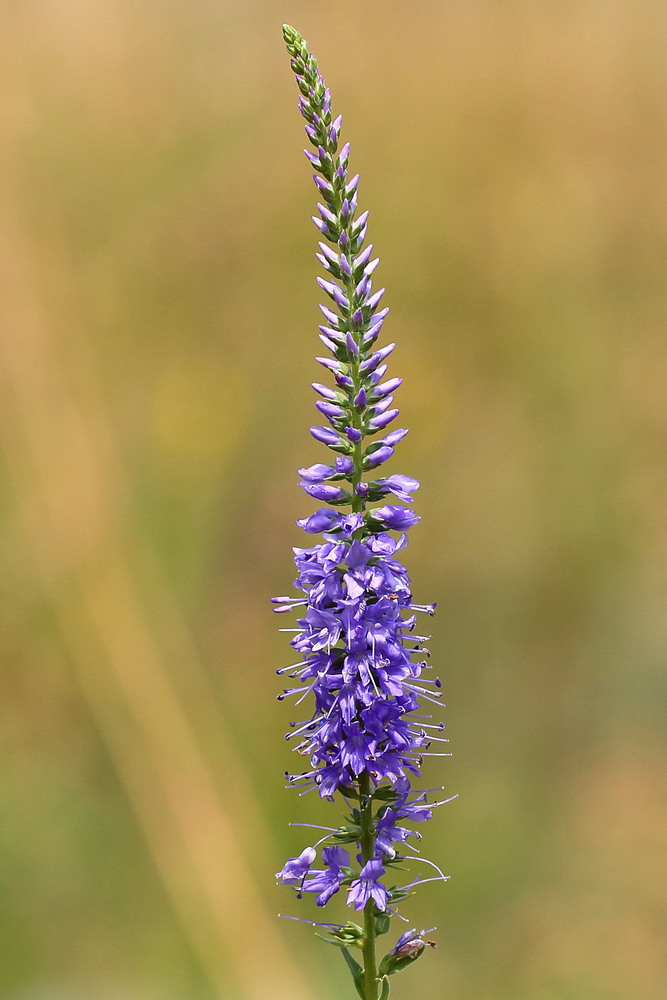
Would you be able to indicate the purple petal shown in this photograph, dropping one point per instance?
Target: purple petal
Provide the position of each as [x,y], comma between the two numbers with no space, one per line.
[325,434]
[399,518]
[378,457]
[316,473]
[323,491]
[383,419]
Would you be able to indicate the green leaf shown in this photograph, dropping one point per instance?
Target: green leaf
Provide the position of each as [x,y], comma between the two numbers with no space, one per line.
[382,923]
[385,989]
[356,970]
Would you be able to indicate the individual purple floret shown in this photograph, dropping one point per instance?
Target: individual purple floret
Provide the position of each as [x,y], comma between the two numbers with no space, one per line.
[360,668]
[368,887]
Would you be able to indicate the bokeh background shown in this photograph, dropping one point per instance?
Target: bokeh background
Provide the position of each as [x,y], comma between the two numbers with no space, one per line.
[158,329]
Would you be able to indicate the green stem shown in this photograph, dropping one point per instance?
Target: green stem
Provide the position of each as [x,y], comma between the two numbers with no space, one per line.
[367,840]
[367,852]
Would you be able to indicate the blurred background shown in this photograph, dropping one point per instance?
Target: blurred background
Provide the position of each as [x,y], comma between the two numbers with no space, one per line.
[157,333]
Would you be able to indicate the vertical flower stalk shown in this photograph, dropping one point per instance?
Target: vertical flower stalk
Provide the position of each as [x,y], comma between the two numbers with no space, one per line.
[361,669]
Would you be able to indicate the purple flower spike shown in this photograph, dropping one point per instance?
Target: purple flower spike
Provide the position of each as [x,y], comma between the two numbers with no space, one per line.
[359,666]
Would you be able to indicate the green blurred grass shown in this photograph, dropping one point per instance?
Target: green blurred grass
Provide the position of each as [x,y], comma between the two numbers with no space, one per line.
[158,326]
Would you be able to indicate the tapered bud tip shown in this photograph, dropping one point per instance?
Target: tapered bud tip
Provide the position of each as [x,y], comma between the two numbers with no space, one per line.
[290,34]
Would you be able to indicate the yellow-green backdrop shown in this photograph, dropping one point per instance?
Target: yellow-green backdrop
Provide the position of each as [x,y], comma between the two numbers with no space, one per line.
[158,318]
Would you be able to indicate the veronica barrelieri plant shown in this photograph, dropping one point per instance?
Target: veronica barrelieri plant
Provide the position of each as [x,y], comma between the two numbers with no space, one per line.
[361,666]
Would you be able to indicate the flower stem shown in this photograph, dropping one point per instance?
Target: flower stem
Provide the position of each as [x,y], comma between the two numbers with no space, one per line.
[367,843]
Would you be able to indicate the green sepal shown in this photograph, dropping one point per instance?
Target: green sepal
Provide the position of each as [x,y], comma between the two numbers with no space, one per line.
[356,243]
[382,923]
[398,895]
[356,970]
[386,793]
[385,989]
[391,964]
[346,835]
[331,267]
[343,447]
[349,936]
[375,446]
[367,430]
[375,491]
[341,501]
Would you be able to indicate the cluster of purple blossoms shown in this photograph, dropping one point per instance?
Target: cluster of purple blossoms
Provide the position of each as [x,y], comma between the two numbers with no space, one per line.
[360,653]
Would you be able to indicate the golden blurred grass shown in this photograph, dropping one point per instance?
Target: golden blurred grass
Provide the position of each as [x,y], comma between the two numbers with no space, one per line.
[157,326]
